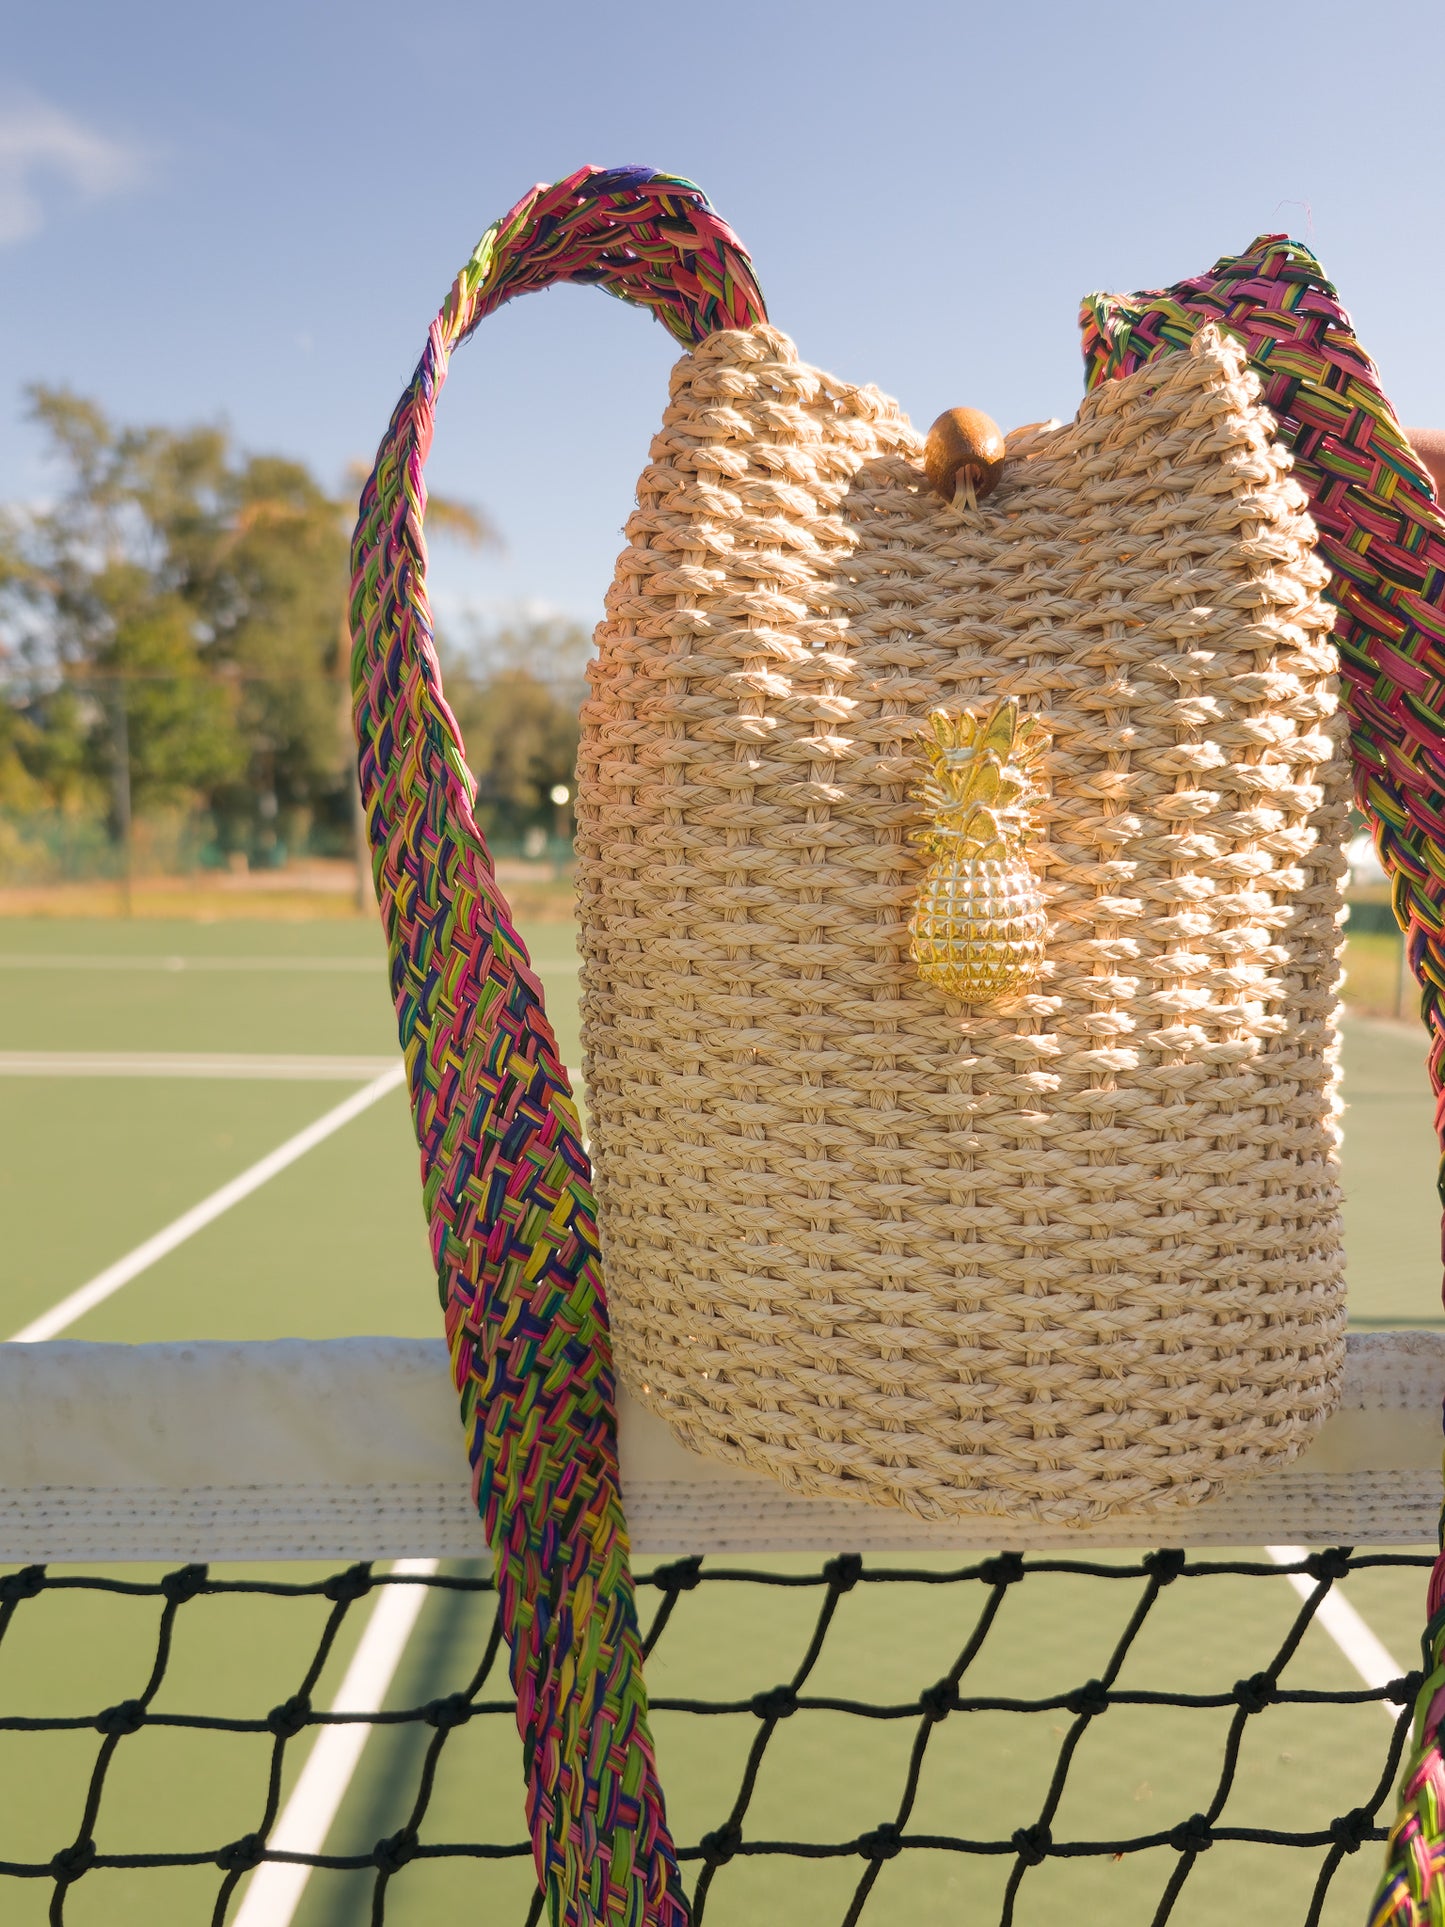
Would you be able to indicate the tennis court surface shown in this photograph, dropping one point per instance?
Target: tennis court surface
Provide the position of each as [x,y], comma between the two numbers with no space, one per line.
[148,1068]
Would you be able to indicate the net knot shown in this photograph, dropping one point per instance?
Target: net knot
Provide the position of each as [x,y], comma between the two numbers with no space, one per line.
[24,1584]
[177,1587]
[392,1853]
[346,1586]
[844,1571]
[777,1703]
[287,1719]
[681,1576]
[1405,1689]
[455,1710]
[1333,1563]
[128,1717]
[884,1843]
[1087,1700]
[937,1702]
[1032,1844]
[1165,1565]
[1004,1569]
[72,1861]
[1254,1693]
[1351,1830]
[242,1855]
[718,1848]
[1194,1835]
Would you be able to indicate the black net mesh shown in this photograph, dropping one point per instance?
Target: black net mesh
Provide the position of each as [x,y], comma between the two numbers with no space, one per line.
[985,1787]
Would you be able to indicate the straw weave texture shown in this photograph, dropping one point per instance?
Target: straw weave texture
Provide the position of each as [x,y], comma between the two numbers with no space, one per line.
[1057,1258]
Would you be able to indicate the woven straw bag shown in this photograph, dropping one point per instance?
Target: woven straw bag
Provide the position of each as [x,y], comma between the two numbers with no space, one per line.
[1072,1251]
[1069,1250]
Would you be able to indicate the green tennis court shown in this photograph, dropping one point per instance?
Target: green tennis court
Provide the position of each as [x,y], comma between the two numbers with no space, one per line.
[95,1159]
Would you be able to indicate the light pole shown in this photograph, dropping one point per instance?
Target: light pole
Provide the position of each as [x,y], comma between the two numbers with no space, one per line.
[561,822]
[120,728]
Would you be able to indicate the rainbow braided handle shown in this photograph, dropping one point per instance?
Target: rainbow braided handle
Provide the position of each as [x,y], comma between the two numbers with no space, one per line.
[506,1181]
[1382,535]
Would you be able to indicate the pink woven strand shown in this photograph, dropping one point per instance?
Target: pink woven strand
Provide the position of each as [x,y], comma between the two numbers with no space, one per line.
[506,1181]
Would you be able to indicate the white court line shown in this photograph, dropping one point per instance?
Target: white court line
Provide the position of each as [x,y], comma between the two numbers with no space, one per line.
[177,1063]
[98,960]
[277,1885]
[1336,1616]
[106,1283]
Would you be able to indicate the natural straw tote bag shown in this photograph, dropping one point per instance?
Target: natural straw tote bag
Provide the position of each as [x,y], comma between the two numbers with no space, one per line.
[1053,1252]
[960,873]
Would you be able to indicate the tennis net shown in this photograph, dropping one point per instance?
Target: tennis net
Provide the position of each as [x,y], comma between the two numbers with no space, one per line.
[887,1732]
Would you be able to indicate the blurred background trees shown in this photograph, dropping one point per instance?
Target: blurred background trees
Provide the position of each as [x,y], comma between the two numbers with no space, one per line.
[516,690]
[172,649]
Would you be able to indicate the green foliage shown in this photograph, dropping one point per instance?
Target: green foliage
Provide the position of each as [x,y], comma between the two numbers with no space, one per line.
[174,615]
[180,724]
[51,740]
[199,590]
[515,692]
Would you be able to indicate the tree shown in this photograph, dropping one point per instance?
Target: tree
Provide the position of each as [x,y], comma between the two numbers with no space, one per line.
[187,601]
[178,725]
[182,597]
[515,691]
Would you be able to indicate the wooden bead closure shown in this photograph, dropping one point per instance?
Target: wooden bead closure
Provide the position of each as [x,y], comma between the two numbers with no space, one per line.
[964,445]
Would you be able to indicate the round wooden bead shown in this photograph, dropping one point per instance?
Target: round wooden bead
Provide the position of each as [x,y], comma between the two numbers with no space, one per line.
[963,438]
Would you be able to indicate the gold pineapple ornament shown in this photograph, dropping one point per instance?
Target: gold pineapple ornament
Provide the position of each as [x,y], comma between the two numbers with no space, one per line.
[978,930]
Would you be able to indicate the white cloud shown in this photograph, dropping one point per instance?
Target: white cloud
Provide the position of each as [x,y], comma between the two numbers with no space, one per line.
[42,147]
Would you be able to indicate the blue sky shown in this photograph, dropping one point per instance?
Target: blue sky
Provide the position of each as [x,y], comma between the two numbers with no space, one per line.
[250,213]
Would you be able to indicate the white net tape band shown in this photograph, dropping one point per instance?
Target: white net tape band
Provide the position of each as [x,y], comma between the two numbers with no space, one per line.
[349,1448]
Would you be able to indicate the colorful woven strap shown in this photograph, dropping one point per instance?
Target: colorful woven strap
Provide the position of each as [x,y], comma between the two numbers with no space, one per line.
[506,1181]
[1383,538]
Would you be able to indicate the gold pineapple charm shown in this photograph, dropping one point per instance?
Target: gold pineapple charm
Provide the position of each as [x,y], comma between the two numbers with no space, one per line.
[978,929]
